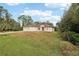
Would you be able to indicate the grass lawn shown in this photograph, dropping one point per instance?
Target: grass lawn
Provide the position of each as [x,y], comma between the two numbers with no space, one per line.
[35,44]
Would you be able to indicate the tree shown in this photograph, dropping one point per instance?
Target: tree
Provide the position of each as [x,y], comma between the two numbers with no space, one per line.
[29,20]
[7,15]
[70,19]
[37,22]
[25,20]
[6,22]
[1,11]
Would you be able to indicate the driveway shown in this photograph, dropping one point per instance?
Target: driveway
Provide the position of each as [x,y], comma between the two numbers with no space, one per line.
[10,32]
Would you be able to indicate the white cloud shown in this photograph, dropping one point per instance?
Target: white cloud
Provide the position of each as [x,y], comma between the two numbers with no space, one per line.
[12,4]
[42,15]
[37,13]
[52,19]
[55,4]
[61,6]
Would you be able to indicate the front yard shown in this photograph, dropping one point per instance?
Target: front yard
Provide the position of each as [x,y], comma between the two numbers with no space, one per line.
[35,44]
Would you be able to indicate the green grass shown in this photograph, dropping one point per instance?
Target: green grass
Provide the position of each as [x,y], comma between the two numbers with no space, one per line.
[34,44]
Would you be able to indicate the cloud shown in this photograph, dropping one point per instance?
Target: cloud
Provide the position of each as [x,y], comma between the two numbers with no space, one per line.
[12,4]
[37,13]
[52,19]
[61,6]
[43,16]
[57,4]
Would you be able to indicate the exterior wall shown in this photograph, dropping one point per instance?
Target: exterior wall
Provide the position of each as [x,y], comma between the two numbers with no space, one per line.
[48,29]
[30,29]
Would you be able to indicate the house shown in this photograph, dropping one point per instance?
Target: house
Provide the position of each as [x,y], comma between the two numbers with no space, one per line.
[39,27]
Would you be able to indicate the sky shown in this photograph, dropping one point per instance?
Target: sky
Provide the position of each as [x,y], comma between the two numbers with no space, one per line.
[42,12]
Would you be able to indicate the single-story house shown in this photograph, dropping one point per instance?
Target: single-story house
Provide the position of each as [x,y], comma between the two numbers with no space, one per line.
[39,27]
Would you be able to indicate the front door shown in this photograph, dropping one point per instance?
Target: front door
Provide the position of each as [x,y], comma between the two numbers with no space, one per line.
[42,28]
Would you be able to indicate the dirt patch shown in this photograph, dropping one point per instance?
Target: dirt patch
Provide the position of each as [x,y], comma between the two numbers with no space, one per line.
[68,49]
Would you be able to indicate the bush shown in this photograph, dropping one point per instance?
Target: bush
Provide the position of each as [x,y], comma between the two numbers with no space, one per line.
[71,36]
[64,35]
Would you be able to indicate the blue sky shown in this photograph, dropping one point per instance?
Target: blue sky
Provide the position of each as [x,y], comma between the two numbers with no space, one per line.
[38,11]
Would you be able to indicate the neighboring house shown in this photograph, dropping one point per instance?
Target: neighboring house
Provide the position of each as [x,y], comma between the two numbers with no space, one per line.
[39,27]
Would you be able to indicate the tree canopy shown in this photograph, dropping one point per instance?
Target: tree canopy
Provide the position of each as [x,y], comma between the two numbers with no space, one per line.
[6,22]
[70,19]
[25,20]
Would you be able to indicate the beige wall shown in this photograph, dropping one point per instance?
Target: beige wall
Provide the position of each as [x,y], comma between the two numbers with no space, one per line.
[30,29]
[49,29]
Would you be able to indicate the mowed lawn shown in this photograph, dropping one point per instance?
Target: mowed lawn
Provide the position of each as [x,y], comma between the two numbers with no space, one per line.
[34,44]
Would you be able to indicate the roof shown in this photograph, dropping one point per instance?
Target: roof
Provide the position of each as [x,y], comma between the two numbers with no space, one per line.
[38,25]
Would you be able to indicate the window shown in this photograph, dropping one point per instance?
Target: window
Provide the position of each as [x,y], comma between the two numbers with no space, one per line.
[38,28]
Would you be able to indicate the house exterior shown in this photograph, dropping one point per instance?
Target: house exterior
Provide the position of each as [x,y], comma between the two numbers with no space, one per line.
[38,27]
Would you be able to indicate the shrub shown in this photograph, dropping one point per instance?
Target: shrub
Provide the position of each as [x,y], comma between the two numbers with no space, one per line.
[71,36]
